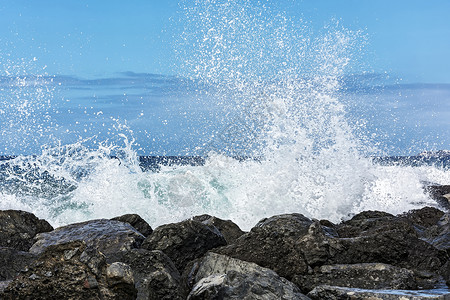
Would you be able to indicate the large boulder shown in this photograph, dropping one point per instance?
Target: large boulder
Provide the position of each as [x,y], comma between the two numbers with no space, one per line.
[218,276]
[184,241]
[137,222]
[72,271]
[229,230]
[325,292]
[364,276]
[19,228]
[108,236]
[273,244]
[155,275]
[440,193]
[12,261]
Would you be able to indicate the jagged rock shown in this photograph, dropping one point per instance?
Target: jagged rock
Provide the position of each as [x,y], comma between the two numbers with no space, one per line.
[424,217]
[325,292]
[137,222]
[184,241]
[229,230]
[155,275]
[364,276]
[72,271]
[18,229]
[108,236]
[440,193]
[12,261]
[273,244]
[218,276]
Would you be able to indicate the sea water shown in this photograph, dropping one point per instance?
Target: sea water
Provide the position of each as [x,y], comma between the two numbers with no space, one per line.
[260,113]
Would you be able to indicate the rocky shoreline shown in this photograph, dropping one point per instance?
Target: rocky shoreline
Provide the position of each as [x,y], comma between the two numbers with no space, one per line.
[374,255]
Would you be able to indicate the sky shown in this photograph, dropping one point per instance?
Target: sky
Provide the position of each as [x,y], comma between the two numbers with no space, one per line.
[408,39]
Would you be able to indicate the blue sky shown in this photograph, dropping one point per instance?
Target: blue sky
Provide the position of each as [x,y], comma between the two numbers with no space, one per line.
[408,39]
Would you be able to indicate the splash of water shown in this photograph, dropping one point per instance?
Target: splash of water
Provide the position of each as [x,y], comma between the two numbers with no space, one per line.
[276,91]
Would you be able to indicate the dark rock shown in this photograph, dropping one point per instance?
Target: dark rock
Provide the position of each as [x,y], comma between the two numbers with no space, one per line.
[107,236]
[155,275]
[12,261]
[325,292]
[229,230]
[221,277]
[184,241]
[364,276]
[424,217]
[137,222]
[438,235]
[440,193]
[273,244]
[72,271]
[18,229]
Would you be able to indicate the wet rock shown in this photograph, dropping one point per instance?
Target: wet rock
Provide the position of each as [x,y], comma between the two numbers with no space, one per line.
[273,244]
[440,193]
[221,277]
[12,261]
[72,271]
[229,230]
[424,217]
[184,241]
[19,228]
[108,236]
[364,276]
[325,292]
[137,222]
[155,275]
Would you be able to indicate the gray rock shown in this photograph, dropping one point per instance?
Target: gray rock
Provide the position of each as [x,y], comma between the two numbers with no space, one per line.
[325,292]
[12,261]
[137,222]
[273,244]
[364,276]
[107,236]
[155,275]
[221,277]
[19,228]
[72,271]
[184,241]
[229,230]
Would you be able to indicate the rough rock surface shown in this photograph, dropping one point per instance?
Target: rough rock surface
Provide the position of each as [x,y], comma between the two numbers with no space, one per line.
[155,275]
[137,222]
[218,276]
[272,244]
[18,229]
[230,231]
[325,292]
[72,271]
[440,193]
[364,276]
[107,236]
[184,241]
[13,261]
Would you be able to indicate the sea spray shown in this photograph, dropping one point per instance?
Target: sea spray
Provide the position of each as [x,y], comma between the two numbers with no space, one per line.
[282,141]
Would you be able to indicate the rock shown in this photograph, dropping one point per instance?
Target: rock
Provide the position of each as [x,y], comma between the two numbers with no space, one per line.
[155,275]
[440,193]
[137,222]
[325,292]
[107,236]
[184,241]
[229,230]
[424,217]
[72,271]
[18,229]
[221,277]
[364,276]
[273,244]
[12,261]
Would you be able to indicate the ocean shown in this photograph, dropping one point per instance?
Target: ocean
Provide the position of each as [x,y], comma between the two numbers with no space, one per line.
[261,117]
